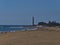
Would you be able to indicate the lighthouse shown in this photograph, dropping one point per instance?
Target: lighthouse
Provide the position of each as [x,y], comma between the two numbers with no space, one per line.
[33,20]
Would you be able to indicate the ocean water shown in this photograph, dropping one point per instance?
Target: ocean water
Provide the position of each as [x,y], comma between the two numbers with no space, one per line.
[8,28]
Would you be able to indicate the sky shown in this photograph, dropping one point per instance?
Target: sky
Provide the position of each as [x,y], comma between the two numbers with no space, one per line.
[20,12]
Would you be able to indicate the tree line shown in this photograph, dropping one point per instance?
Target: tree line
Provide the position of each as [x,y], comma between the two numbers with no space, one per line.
[50,23]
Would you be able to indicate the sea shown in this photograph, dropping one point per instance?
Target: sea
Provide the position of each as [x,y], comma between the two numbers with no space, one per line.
[13,28]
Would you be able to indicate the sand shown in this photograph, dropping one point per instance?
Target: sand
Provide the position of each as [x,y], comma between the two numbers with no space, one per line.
[30,38]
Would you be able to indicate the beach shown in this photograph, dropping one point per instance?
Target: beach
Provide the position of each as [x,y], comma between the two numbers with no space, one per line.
[33,37]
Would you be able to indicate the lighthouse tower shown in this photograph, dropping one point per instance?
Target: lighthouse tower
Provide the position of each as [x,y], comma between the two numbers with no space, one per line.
[33,20]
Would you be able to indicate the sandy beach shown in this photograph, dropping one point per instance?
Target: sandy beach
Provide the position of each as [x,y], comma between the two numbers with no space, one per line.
[36,37]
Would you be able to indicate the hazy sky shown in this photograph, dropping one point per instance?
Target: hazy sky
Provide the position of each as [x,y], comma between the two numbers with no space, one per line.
[21,11]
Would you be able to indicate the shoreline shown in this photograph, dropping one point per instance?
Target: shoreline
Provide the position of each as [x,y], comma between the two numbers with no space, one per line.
[31,37]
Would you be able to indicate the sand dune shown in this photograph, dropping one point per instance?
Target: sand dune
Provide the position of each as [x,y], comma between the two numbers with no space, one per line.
[30,38]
